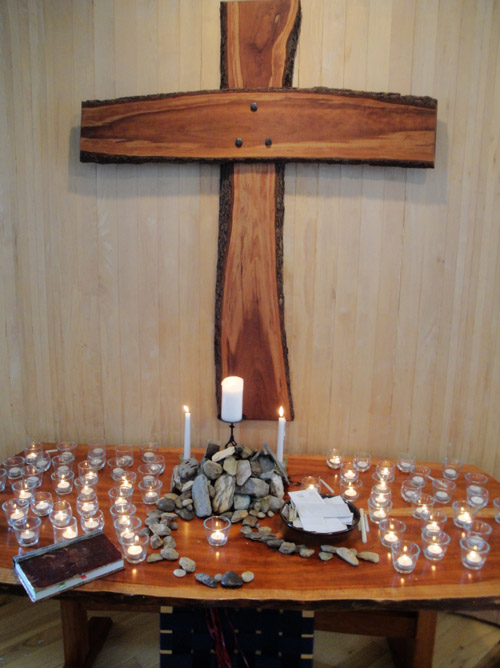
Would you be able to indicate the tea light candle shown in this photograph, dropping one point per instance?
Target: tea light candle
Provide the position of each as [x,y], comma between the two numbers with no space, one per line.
[464,517]
[435,549]
[27,534]
[217,537]
[155,468]
[350,491]
[151,497]
[59,516]
[474,557]
[418,479]
[432,526]
[335,460]
[14,472]
[404,561]
[390,537]
[16,514]
[69,532]
[91,523]
[475,500]
[450,473]
[42,506]
[134,550]
[63,486]
[148,456]
[475,489]
[442,496]
[349,475]
[24,494]
[118,471]
[380,513]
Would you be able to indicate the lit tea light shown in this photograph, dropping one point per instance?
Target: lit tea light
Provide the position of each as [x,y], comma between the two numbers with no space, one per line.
[432,526]
[134,550]
[16,515]
[91,523]
[350,491]
[42,506]
[474,557]
[27,534]
[380,513]
[151,497]
[404,561]
[217,537]
[335,460]
[60,516]
[69,532]
[148,479]
[464,518]
[24,494]
[390,537]
[63,486]
[435,550]
[155,468]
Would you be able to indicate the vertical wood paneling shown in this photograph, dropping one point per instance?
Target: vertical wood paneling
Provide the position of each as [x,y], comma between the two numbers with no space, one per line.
[391,276]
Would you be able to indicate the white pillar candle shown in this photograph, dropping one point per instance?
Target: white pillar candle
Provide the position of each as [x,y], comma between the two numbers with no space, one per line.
[281,435]
[232,399]
[187,433]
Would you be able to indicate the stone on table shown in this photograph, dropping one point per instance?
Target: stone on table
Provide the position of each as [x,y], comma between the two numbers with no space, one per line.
[255,487]
[224,492]
[369,556]
[347,555]
[243,472]
[325,556]
[187,564]
[206,579]
[211,469]
[222,454]
[231,580]
[201,496]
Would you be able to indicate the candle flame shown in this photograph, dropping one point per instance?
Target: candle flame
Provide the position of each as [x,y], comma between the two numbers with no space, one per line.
[186,409]
[281,412]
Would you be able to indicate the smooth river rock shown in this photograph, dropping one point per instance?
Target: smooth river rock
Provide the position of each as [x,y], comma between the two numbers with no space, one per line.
[201,496]
[206,579]
[224,493]
[255,487]
[231,580]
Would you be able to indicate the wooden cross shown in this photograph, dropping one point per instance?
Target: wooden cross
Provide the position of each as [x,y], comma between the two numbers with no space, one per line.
[253,126]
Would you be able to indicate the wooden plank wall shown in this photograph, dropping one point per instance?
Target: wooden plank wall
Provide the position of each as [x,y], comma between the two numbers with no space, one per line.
[392,276]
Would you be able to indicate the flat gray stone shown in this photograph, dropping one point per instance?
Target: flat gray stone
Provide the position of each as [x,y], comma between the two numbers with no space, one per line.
[306,552]
[224,493]
[206,579]
[329,548]
[169,554]
[275,504]
[287,548]
[222,454]
[231,580]
[185,514]
[241,501]
[188,470]
[369,556]
[247,576]
[238,516]
[160,529]
[243,472]
[152,558]
[179,572]
[325,556]
[201,496]
[211,469]
[255,487]
[155,542]
[187,564]
[230,465]
[166,504]
[276,486]
[347,555]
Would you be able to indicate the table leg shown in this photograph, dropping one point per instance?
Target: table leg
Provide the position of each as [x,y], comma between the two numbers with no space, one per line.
[82,638]
[416,651]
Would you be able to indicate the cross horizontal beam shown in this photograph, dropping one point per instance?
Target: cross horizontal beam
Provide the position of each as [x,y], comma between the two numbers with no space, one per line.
[317,125]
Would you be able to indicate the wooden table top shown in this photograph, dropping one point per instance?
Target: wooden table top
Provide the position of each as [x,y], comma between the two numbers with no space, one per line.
[290,581]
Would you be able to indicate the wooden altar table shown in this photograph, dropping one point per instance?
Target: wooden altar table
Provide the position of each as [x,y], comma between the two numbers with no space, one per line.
[368,599]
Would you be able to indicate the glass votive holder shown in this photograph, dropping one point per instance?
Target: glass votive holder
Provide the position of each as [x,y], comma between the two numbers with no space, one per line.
[217,530]
[146,474]
[41,503]
[33,473]
[127,479]
[122,509]
[422,505]
[27,531]
[61,513]
[3,479]
[66,532]
[126,523]
[88,473]
[420,474]
[391,530]
[350,490]
[410,491]
[434,544]
[443,490]
[385,470]
[150,493]
[376,512]
[433,520]
[348,472]
[156,464]
[362,461]
[124,456]
[496,508]
[23,490]
[134,547]
[148,450]
[463,514]
[14,467]
[334,458]
[62,482]
[480,528]
[451,467]
[93,523]
[475,479]
[404,556]
[67,449]
[381,493]
[63,463]
[120,496]
[96,453]
[477,496]
[406,462]
[14,511]
[83,488]
[33,452]
[87,507]
[474,551]
[309,482]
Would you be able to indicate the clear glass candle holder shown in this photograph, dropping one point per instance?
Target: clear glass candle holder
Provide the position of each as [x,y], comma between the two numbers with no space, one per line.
[66,532]
[67,449]
[376,512]
[451,467]
[410,491]
[117,471]
[126,523]
[14,467]
[310,482]
[87,507]
[124,456]
[385,470]
[381,493]
[150,492]
[42,503]
[474,551]
[406,462]
[127,479]
[96,453]
[463,514]
[362,461]
[477,496]
[434,544]
[391,530]
[27,531]
[62,482]
[496,507]
[350,490]
[61,513]
[217,530]
[83,489]
[433,520]
[135,547]
[404,556]
[422,505]
[33,473]
[119,496]
[348,472]
[3,479]
[148,450]
[146,474]
[475,479]
[157,464]
[481,529]
[33,452]
[88,473]
[14,511]
[44,462]
[420,474]
[23,490]
[93,523]
[122,509]
[63,463]
[334,458]
[443,490]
